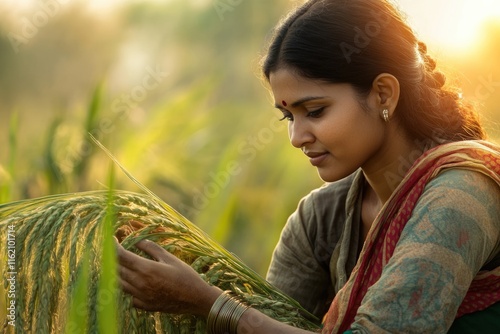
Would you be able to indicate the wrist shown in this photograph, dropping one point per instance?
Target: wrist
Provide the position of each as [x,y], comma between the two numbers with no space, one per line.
[208,301]
[225,314]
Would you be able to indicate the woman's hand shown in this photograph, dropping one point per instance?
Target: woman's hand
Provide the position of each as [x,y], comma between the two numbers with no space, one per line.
[170,285]
[166,285]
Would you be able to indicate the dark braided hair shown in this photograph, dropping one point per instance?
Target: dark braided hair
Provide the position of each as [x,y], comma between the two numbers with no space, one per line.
[353,41]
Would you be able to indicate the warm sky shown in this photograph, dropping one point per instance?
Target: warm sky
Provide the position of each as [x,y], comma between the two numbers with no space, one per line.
[450,23]
[445,23]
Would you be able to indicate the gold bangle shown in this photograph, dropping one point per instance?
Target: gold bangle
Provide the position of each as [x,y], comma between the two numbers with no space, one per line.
[224,318]
[214,312]
[236,316]
[225,314]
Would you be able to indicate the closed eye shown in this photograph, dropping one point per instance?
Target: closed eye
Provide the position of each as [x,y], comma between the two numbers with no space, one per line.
[287,116]
[316,113]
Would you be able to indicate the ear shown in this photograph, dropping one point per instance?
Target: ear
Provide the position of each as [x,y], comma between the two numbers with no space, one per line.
[385,91]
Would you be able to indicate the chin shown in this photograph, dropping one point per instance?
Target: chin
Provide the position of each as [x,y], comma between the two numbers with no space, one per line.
[329,175]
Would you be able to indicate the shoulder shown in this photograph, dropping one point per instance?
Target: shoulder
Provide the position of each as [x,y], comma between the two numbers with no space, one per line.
[462,187]
[459,207]
[464,179]
[463,193]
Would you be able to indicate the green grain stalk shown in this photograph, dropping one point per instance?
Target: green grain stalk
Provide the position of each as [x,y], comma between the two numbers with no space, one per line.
[66,260]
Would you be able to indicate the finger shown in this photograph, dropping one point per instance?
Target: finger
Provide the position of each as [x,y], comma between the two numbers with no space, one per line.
[122,232]
[129,275]
[128,259]
[127,287]
[152,249]
[136,224]
[142,305]
[136,301]
[136,295]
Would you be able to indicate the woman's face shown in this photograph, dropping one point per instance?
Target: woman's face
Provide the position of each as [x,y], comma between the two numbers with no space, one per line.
[328,122]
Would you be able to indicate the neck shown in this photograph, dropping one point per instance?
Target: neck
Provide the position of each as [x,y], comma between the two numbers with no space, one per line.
[386,170]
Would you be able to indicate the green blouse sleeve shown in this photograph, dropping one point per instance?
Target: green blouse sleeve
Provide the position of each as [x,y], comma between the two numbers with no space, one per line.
[294,268]
[453,231]
[300,265]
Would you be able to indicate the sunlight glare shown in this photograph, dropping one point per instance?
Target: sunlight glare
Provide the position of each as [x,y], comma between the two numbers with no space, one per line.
[453,24]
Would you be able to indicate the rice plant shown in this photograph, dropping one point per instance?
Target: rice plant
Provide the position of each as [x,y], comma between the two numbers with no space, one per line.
[62,264]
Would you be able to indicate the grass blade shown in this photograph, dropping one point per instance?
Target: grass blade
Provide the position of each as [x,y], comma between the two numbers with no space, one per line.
[78,312]
[107,294]
[6,187]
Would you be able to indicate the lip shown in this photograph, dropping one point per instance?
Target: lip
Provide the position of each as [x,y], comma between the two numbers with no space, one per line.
[316,158]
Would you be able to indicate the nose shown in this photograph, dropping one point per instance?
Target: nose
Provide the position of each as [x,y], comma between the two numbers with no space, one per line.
[300,134]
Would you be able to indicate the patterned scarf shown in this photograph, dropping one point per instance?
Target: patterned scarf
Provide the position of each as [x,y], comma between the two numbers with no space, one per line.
[384,234]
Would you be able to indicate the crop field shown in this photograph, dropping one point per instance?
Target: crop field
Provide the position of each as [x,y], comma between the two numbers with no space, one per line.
[173,90]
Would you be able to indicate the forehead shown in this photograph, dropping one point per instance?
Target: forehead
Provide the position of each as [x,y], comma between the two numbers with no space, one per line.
[288,86]
[286,81]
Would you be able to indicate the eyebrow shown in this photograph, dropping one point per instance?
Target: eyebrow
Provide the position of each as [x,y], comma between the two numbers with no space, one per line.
[302,101]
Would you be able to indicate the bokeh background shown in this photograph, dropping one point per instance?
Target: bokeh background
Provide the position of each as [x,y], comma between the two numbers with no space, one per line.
[173,89]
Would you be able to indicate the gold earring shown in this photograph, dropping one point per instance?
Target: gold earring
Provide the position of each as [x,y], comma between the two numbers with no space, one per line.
[385,115]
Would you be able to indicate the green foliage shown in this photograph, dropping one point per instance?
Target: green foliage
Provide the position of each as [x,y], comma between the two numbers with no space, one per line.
[202,138]
[78,311]
[7,179]
[54,176]
[59,242]
[90,125]
[107,293]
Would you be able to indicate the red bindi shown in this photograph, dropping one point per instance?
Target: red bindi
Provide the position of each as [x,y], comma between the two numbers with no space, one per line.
[284,103]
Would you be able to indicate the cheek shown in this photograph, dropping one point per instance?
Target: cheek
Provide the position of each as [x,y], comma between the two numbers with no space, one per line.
[358,130]
[368,140]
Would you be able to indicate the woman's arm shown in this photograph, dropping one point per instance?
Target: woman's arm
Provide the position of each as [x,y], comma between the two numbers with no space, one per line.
[254,322]
[171,286]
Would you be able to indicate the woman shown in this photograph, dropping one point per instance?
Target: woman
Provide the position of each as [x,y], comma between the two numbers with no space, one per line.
[405,237]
